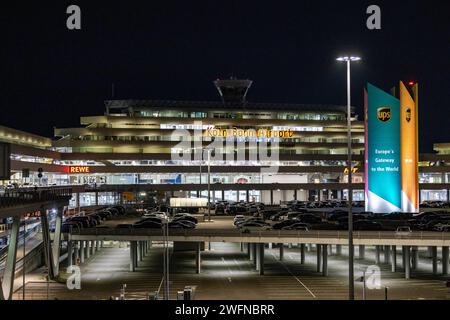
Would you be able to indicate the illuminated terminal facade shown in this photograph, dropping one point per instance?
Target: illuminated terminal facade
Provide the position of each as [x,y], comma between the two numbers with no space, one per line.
[139,142]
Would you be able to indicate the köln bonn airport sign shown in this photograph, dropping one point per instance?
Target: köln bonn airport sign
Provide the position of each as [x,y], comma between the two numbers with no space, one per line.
[391,158]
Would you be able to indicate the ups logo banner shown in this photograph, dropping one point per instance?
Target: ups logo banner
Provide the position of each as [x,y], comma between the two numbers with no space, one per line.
[384,114]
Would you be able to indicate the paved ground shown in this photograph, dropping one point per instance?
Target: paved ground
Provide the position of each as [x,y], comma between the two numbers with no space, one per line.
[228,274]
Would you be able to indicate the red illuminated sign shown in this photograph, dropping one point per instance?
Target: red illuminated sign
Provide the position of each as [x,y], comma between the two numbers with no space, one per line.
[78,169]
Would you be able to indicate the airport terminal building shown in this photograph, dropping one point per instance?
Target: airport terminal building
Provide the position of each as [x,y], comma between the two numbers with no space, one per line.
[135,146]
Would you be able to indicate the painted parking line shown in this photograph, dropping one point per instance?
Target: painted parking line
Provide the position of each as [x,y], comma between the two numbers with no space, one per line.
[295,277]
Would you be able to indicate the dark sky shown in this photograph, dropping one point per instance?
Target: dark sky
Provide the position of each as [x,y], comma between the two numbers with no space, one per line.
[51,76]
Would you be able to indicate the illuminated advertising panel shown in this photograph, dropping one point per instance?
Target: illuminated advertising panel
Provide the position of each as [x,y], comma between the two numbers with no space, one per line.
[383,152]
[77,169]
[409,151]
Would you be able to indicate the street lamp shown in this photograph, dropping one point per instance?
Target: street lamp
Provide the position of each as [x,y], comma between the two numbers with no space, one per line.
[351,284]
[209,184]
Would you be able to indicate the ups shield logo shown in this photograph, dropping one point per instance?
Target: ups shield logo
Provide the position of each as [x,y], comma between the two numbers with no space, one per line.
[384,114]
[408,114]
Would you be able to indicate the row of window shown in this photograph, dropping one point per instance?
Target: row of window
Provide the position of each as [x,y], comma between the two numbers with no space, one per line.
[242,115]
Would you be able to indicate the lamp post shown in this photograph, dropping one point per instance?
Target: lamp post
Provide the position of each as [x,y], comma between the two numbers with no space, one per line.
[351,284]
[209,184]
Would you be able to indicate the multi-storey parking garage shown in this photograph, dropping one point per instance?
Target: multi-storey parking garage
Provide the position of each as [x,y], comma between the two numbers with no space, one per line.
[143,152]
[263,152]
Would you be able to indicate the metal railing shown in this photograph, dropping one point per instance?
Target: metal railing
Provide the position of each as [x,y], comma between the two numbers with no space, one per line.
[313,234]
[15,197]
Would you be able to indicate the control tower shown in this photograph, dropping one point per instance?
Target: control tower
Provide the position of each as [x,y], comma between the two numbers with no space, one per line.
[233,91]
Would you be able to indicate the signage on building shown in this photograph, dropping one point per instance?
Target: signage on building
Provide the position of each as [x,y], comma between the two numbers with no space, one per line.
[391,152]
[409,150]
[78,169]
[251,133]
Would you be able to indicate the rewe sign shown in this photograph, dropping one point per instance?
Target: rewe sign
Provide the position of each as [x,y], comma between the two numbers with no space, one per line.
[78,169]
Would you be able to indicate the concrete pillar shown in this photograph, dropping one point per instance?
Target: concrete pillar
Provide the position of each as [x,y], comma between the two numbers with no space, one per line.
[257,256]
[254,253]
[414,257]
[242,247]
[142,250]
[362,251]
[198,258]
[77,201]
[82,251]
[93,246]
[132,256]
[319,257]
[261,258]
[377,254]
[429,252]
[247,195]
[434,259]
[76,247]
[394,259]
[302,253]
[270,245]
[445,261]
[249,251]
[407,259]
[386,254]
[69,253]
[138,251]
[281,245]
[97,243]
[325,260]
[88,249]
[96,198]
[271,197]
[223,195]
[101,244]
[338,249]
[295,195]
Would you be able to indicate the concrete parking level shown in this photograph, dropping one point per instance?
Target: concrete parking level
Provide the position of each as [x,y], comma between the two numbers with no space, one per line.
[228,273]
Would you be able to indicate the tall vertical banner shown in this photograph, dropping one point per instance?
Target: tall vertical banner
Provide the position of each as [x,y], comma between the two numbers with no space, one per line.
[391,159]
[409,151]
[383,150]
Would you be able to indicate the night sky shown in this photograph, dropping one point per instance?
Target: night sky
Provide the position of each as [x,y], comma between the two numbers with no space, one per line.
[51,76]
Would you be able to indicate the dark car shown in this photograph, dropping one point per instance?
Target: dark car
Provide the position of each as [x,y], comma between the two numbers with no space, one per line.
[85,221]
[278,216]
[309,218]
[124,226]
[298,226]
[367,225]
[147,225]
[397,216]
[282,224]
[182,224]
[186,218]
[70,226]
[150,219]
[335,215]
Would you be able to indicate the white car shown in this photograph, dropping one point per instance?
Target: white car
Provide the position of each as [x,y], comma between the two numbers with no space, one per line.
[161,215]
[238,218]
[403,231]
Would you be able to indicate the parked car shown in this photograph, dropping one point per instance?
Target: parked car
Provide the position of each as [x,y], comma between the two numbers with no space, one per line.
[298,226]
[182,224]
[186,218]
[254,226]
[147,225]
[367,225]
[282,224]
[238,219]
[403,231]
